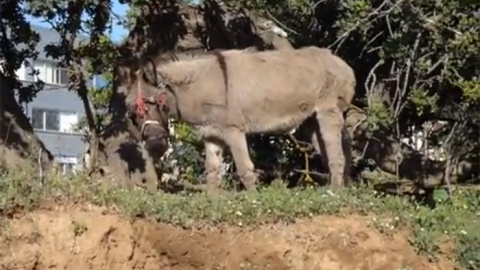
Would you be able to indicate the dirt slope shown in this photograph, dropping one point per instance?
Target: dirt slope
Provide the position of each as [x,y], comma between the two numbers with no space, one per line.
[82,238]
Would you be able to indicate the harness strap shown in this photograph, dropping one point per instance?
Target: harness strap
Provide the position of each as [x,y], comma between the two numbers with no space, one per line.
[146,123]
[142,109]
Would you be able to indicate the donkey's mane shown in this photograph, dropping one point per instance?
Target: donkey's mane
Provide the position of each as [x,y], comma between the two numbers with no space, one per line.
[169,57]
[182,68]
[151,64]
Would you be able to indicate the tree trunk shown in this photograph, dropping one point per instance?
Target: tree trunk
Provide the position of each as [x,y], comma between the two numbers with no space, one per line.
[124,161]
[120,155]
[19,145]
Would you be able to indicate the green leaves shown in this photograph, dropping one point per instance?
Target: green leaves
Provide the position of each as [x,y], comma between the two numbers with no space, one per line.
[422,101]
[17,44]
[470,89]
[379,115]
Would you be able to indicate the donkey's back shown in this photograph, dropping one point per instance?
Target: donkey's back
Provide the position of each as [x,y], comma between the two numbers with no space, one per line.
[274,91]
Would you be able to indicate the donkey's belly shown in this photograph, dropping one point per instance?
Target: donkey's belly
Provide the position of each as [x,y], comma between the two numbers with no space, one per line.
[275,113]
[275,123]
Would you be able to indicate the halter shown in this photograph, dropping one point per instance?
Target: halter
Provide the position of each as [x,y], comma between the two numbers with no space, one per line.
[142,109]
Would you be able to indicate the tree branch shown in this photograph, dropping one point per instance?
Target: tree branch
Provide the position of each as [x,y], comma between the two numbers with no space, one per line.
[366,19]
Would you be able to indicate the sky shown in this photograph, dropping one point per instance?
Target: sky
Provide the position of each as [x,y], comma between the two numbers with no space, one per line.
[118,31]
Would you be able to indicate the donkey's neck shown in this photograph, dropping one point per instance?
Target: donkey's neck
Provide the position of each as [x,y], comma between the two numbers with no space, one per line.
[181,73]
[173,106]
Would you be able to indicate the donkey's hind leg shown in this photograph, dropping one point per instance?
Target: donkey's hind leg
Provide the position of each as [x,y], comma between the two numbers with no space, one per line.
[331,123]
[347,151]
[237,142]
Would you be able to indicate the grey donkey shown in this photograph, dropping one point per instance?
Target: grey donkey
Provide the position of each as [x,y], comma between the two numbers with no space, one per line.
[228,94]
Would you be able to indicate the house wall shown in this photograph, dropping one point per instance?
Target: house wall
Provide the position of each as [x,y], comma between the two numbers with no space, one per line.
[66,147]
[62,145]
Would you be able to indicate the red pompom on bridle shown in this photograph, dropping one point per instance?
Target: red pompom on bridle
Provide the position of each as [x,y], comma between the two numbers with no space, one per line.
[141,107]
[161,99]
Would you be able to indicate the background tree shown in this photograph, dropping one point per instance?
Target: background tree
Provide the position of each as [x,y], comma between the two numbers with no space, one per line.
[17,43]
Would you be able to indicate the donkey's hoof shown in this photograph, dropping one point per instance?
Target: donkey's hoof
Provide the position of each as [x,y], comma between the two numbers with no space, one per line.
[250,186]
[336,186]
[213,189]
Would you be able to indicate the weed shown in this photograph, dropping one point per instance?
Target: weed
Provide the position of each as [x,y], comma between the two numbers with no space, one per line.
[4,227]
[78,228]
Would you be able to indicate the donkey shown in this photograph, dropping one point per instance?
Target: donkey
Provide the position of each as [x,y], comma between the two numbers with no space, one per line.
[264,92]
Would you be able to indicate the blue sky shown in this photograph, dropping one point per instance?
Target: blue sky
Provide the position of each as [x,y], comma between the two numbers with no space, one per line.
[118,32]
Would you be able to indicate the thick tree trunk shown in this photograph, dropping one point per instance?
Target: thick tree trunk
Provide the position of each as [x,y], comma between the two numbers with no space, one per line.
[19,145]
[120,155]
[124,161]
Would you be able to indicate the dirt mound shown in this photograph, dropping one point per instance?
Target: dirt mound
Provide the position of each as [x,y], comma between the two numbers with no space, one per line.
[95,238]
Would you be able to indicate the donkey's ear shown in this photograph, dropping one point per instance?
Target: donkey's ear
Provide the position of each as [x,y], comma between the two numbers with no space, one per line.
[137,73]
[124,73]
[150,71]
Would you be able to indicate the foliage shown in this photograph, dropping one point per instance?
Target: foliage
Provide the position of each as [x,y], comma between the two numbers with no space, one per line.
[455,220]
[188,152]
[17,45]
[414,61]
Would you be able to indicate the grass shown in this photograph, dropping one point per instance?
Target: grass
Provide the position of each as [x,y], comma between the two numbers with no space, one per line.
[456,219]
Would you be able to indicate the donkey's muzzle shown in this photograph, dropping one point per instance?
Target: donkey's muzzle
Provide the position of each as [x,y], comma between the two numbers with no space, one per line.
[156,146]
[155,139]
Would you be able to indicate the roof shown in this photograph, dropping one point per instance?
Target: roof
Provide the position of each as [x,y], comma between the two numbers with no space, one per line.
[49,36]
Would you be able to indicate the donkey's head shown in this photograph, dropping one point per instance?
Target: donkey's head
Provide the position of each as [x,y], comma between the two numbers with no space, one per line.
[147,106]
[266,25]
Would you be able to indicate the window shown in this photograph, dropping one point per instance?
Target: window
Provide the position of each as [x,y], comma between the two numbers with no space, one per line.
[98,81]
[68,165]
[67,168]
[50,73]
[45,119]
[68,121]
[54,120]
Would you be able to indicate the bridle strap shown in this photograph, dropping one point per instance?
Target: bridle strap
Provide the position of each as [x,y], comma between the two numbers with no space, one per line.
[142,108]
[145,124]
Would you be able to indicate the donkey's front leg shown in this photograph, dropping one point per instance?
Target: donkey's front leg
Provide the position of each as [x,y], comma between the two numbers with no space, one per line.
[237,142]
[213,163]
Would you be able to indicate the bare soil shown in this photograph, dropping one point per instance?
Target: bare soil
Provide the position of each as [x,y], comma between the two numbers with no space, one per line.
[88,237]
